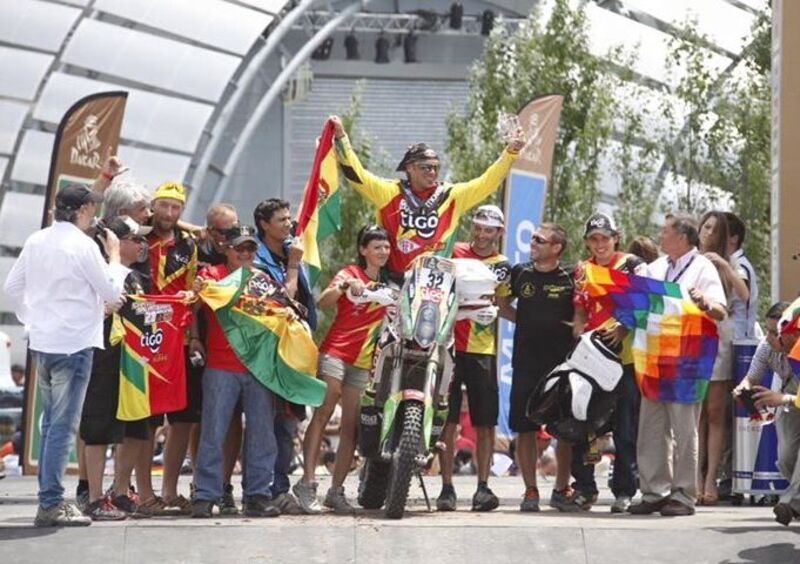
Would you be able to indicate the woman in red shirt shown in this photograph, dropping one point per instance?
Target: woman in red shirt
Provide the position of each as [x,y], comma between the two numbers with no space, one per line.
[345,361]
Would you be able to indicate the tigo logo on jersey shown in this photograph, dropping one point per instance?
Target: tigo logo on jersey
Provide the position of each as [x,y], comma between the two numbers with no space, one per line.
[152,340]
[424,224]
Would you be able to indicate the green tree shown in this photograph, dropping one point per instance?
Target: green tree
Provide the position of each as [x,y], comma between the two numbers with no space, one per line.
[723,141]
[538,59]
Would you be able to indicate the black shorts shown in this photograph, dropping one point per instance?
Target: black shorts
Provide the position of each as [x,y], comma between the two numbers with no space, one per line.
[99,424]
[528,370]
[478,372]
[194,395]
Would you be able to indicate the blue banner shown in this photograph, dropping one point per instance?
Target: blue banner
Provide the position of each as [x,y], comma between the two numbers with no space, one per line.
[524,207]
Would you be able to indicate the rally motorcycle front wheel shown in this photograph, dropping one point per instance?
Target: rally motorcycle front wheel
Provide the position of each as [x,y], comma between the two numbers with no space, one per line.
[404,460]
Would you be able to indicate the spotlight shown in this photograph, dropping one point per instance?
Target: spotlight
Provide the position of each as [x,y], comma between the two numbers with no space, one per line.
[456,15]
[323,52]
[410,47]
[487,22]
[427,20]
[351,46]
[382,49]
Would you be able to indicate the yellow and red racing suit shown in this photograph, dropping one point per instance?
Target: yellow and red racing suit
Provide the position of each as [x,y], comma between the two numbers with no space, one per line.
[419,223]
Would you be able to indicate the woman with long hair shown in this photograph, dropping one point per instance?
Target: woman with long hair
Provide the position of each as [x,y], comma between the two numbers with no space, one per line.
[344,364]
[714,245]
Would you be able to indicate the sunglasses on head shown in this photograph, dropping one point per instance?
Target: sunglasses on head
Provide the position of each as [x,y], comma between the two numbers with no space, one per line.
[539,240]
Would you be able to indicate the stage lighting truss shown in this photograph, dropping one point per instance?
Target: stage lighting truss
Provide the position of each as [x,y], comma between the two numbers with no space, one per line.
[419,23]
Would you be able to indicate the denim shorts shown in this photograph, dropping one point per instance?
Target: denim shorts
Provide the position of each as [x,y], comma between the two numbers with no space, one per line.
[348,374]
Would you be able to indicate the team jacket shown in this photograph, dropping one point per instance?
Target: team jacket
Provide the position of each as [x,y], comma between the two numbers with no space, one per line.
[173,263]
[415,225]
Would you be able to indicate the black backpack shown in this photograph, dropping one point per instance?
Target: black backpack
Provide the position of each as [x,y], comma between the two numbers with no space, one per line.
[578,397]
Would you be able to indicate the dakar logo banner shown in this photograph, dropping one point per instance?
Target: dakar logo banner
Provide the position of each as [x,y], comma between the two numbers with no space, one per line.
[85,150]
[88,131]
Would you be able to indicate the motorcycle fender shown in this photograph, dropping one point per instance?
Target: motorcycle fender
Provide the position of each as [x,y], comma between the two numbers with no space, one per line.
[427,422]
[389,411]
[413,395]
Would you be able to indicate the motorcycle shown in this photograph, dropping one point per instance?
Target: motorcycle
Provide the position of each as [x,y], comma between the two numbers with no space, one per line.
[404,410]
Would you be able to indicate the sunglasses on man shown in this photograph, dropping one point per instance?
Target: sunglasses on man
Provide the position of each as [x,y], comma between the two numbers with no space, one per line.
[539,240]
[244,248]
[425,167]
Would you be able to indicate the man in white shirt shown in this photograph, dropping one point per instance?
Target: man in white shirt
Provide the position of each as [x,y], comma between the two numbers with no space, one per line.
[58,285]
[667,471]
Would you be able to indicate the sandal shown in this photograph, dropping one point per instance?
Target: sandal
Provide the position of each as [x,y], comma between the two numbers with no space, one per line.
[153,507]
[179,503]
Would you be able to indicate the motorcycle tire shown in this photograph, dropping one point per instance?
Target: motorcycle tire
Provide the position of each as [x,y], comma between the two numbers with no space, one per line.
[373,482]
[404,460]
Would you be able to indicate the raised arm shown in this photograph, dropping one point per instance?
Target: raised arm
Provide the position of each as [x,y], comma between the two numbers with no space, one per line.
[470,193]
[374,188]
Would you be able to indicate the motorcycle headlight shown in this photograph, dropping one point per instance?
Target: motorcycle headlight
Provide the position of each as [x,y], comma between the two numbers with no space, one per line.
[425,330]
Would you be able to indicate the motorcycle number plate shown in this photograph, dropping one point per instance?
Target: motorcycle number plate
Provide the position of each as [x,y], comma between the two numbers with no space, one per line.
[435,282]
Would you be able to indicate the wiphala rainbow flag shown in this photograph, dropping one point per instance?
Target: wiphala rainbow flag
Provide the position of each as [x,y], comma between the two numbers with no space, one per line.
[788,323]
[674,342]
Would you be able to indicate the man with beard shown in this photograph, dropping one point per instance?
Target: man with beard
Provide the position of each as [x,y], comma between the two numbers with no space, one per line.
[173,267]
[476,366]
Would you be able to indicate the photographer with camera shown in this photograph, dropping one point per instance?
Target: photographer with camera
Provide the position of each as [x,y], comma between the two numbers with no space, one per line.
[771,355]
[58,286]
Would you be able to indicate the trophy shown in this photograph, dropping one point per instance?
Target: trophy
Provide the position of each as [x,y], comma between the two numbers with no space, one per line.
[508,127]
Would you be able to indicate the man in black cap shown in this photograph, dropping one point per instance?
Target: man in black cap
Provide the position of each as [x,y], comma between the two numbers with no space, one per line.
[420,213]
[58,286]
[226,382]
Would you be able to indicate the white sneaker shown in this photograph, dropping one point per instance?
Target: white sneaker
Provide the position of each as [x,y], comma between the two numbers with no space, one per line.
[621,504]
[306,495]
[61,515]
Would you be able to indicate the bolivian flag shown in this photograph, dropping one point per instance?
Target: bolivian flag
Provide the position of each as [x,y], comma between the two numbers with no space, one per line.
[319,215]
[280,353]
[152,377]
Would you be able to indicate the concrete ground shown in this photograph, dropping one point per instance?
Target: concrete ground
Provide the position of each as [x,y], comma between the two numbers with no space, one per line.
[722,534]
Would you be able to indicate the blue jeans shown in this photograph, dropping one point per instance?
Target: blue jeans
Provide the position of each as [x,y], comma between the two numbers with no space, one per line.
[62,381]
[285,431]
[221,392]
[623,425]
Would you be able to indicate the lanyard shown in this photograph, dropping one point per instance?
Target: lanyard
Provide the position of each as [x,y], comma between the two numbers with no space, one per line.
[683,270]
